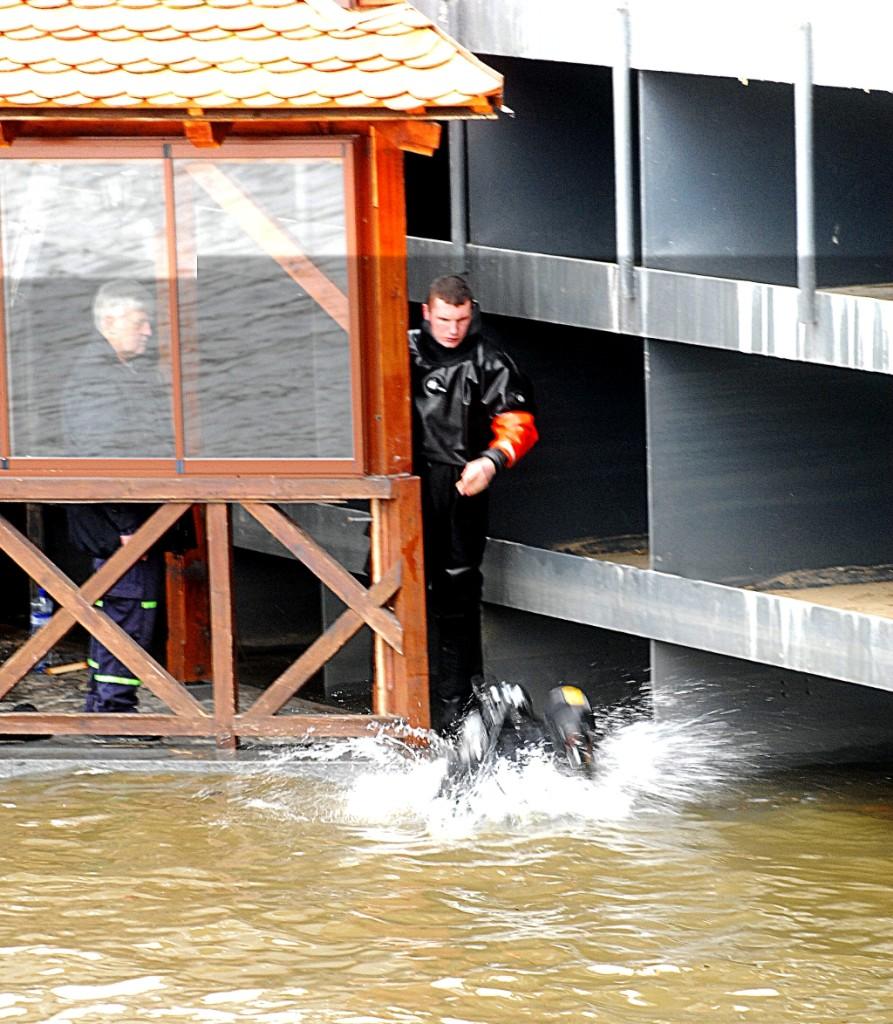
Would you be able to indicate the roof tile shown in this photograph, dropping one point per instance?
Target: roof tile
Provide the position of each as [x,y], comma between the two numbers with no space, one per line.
[188,66]
[25,99]
[376,64]
[404,102]
[233,53]
[216,99]
[438,54]
[52,67]
[26,32]
[98,67]
[121,100]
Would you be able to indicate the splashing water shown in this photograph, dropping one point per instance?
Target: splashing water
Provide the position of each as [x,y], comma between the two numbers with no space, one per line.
[641,765]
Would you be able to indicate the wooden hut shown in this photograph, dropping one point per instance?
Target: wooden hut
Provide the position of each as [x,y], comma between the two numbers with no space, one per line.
[243,161]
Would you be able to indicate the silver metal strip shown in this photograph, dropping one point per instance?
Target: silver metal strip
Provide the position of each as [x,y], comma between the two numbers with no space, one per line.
[853,331]
[744,624]
[805,180]
[458,196]
[554,289]
[624,195]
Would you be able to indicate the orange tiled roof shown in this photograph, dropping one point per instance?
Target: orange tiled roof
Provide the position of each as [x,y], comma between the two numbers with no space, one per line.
[286,55]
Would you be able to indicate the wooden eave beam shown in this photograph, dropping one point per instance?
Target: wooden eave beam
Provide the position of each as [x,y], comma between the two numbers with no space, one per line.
[205,134]
[422,137]
[9,131]
[483,106]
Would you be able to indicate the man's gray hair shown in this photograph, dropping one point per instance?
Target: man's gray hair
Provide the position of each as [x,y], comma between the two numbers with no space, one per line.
[115,298]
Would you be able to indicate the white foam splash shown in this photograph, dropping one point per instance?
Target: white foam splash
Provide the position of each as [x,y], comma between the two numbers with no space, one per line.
[640,764]
[389,790]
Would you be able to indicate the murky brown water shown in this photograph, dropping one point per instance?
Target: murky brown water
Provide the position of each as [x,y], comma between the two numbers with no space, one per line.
[675,888]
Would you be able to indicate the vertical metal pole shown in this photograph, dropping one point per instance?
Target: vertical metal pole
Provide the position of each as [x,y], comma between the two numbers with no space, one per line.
[805,180]
[458,141]
[459,194]
[624,196]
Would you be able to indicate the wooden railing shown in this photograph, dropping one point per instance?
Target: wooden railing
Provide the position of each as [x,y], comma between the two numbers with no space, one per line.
[393,606]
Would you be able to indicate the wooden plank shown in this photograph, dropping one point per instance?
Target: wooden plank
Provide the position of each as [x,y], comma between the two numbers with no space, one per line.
[401,682]
[422,137]
[63,619]
[319,726]
[328,570]
[382,663]
[189,608]
[105,724]
[9,132]
[108,633]
[278,245]
[175,362]
[223,660]
[307,726]
[318,653]
[382,244]
[191,488]
[206,134]
[354,290]
[5,433]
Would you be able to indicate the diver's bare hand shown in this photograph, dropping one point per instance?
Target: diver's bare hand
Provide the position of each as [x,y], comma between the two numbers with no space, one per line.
[476,477]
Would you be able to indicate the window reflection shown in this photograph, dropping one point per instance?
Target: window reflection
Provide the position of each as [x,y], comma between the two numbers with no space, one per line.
[264,308]
[70,227]
[264,319]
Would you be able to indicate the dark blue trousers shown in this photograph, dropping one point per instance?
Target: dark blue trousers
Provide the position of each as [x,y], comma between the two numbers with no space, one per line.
[133,604]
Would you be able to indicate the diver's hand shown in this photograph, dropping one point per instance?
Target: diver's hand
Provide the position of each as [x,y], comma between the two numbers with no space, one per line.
[476,476]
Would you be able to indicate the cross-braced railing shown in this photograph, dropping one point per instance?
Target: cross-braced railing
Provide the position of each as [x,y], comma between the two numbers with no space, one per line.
[392,607]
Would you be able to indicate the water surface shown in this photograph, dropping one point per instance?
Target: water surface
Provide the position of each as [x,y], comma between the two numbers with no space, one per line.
[681,884]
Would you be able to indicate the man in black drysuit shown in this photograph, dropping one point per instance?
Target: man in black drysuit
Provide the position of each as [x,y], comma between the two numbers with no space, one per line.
[116,407]
[473,416]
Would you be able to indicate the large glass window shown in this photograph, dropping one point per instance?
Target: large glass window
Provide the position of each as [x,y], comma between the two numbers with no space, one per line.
[69,228]
[177,305]
[265,334]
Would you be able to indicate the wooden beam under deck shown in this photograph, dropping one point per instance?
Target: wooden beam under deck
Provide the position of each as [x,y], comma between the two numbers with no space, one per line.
[285,726]
[192,489]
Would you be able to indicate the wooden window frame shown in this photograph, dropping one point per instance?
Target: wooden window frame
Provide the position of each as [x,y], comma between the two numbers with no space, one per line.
[167,151]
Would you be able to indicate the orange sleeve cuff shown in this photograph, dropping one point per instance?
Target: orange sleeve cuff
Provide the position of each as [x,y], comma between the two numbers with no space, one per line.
[514,434]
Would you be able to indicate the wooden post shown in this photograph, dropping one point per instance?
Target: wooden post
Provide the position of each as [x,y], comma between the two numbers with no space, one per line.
[401,681]
[226,691]
[188,608]
[382,222]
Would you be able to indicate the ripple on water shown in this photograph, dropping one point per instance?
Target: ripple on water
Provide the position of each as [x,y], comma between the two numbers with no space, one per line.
[675,885]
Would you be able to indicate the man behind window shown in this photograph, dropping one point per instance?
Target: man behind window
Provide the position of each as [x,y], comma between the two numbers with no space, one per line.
[116,407]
